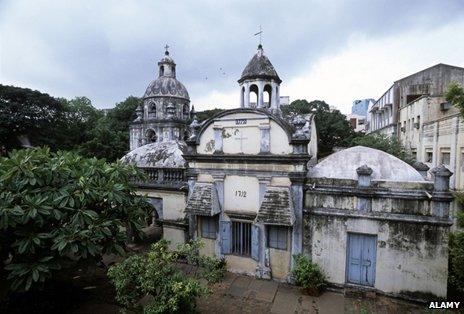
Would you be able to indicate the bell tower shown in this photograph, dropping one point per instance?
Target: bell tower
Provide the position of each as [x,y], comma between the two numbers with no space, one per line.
[260,83]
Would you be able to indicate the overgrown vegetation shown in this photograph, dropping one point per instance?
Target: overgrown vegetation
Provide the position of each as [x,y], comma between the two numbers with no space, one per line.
[455,95]
[308,275]
[456,254]
[59,208]
[156,278]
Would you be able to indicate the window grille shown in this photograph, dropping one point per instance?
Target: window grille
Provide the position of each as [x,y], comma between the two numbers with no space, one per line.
[241,238]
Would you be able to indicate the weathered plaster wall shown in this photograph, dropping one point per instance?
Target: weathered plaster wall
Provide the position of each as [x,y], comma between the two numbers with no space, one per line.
[173,203]
[241,194]
[279,140]
[244,138]
[280,260]
[209,248]
[174,235]
[410,258]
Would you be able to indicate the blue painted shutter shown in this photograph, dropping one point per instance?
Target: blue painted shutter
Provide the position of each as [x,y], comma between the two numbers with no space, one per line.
[225,228]
[255,237]
[368,260]
[354,258]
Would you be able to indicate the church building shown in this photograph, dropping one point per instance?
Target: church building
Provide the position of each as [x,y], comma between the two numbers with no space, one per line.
[247,183]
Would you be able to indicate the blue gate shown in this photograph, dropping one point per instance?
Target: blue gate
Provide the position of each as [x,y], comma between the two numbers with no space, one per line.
[361,258]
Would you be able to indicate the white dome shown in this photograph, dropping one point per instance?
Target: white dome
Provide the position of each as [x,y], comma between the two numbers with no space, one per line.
[343,165]
[158,155]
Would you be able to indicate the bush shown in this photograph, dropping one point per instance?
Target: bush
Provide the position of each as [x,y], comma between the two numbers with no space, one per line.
[456,254]
[308,275]
[59,208]
[211,268]
[155,276]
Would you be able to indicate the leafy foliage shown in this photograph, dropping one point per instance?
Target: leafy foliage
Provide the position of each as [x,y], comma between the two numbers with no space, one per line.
[206,114]
[308,274]
[381,142]
[155,275]
[455,95]
[58,208]
[62,124]
[333,130]
[27,112]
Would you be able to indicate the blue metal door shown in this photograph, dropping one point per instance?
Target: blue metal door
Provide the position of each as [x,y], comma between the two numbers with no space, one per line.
[361,258]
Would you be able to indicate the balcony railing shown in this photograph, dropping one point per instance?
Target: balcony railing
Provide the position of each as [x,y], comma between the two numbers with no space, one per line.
[163,176]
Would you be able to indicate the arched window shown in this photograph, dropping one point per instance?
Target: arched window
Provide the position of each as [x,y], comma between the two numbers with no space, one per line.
[162,70]
[150,136]
[253,96]
[151,110]
[186,110]
[242,97]
[267,96]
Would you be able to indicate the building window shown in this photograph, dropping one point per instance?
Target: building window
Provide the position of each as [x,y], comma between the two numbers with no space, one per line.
[428,156]
[277,237]
[445,158]
[414,154]
[208,227]
[241,238]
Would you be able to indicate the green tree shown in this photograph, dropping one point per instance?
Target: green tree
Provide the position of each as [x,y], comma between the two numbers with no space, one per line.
[206,114]
[60,208]
[80,118]
[24,112]
[109,136]
[455,95]
[384,143]
[332,127]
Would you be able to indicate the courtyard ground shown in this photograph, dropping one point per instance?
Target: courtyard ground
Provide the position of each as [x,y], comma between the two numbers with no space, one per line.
[88,291]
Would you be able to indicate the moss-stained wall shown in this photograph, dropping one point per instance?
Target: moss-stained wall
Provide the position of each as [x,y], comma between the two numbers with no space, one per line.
[411,257]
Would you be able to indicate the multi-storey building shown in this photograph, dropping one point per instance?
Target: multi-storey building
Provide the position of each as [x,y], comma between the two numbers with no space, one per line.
[415,111]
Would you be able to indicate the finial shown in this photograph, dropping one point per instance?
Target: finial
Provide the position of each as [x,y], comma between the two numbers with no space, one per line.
[166,52]
[260,33]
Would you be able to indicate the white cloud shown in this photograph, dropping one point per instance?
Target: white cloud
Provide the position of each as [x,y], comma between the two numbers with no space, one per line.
[367,67]
[364,69]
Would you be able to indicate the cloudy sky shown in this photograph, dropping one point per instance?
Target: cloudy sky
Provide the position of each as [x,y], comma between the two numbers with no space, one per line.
[335,51]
